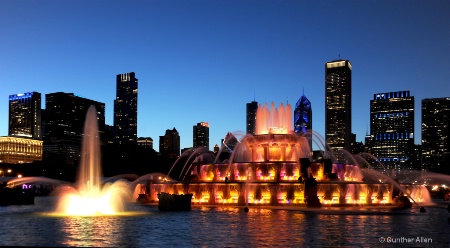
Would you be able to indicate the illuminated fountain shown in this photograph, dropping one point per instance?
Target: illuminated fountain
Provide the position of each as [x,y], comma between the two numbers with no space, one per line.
[90,196]
[275,167]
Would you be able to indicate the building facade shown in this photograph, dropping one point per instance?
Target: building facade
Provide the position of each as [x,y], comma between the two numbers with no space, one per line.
[392,129]
[338,104]
[15,150]
[169,144]
[25,115]
[125,109]
[64,119]
[252,108]
[201,135]
[435,134]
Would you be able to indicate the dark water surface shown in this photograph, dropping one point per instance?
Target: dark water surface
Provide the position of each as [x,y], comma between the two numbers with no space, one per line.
[226,227]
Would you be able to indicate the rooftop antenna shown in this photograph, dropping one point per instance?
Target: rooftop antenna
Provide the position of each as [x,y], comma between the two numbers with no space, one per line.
[339,56]
[254,95]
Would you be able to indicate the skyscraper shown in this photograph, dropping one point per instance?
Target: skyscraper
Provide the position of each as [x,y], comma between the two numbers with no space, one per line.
[338,104]
[169,144]
[252,107]
[64,118]
[436,134]
[201,135]
[125,109]
[392,128]
[25,115]
[303,117]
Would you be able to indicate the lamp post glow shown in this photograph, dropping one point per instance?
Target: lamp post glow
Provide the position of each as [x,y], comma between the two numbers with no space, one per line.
[3,172]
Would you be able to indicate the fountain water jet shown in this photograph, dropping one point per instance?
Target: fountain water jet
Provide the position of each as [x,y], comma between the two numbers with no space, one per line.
[90,197]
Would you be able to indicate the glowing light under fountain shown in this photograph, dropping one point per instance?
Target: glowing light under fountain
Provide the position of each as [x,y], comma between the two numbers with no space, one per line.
[89,197]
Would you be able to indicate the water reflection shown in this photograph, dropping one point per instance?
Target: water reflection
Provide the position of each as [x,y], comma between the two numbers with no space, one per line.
[88,231]
[219,227]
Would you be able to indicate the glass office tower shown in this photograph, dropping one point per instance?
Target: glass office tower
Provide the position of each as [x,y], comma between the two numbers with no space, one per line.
[125,109]
[435,134]
[338,104]
[392,128]
[25,115]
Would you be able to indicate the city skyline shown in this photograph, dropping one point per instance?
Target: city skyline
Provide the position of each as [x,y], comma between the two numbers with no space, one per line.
[200,61]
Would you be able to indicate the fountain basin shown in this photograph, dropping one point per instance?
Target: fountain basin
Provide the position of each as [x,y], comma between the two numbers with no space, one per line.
[280,184]
[276,194]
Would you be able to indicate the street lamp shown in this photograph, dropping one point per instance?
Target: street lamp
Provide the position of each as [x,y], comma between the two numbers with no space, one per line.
[3,172]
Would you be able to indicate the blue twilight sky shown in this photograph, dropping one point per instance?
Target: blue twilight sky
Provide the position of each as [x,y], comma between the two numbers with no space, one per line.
[204,60]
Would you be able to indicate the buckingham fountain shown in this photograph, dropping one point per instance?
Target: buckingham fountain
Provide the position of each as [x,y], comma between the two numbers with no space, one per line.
[274,167]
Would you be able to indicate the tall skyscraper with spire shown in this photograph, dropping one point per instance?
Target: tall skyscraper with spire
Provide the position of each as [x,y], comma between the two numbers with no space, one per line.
[303,117]
[125,109]
[252,107]
[338,104]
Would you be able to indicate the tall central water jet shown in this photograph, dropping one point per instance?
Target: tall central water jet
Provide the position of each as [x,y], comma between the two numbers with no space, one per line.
[273,120]
[89,197]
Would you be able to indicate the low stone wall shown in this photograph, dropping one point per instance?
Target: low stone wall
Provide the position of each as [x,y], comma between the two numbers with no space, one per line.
[174,202]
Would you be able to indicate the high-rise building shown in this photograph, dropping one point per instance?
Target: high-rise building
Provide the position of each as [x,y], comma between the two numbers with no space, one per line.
[25,115]
[252,107]
[436,134]
[338,104]
[357,146]
[392,128]
[64,118]
[416,157]
[125,109]
[169,144]
[108,137]
[201,135]
[368,140]
[145,142]
[303,118]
